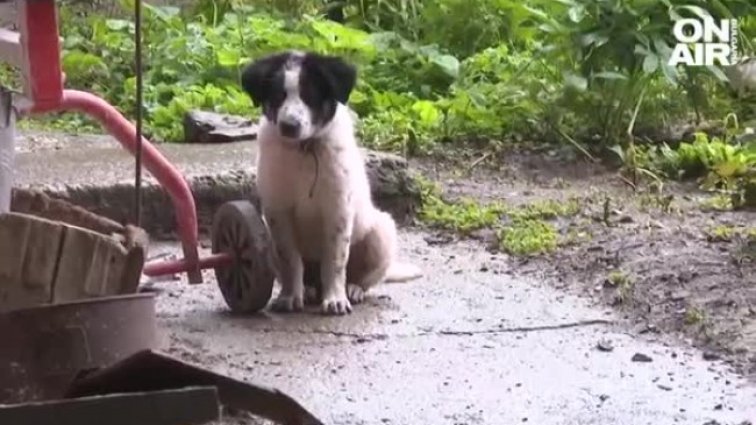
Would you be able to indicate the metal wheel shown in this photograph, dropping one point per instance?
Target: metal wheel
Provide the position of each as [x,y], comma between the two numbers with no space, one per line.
[246,284]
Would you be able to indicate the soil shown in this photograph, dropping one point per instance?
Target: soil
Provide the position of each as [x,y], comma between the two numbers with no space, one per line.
[670,274]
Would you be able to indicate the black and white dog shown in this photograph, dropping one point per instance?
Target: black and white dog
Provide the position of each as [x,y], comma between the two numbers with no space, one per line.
[313,186]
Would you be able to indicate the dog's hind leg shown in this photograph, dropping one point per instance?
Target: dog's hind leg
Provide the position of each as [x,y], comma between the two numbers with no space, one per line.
[371,257]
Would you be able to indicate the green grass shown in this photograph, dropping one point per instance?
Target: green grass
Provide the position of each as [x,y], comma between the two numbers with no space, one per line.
[528,237]
[521,230]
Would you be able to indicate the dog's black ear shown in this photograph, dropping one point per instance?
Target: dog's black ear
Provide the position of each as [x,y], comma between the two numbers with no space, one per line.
[340,75]
[257,77]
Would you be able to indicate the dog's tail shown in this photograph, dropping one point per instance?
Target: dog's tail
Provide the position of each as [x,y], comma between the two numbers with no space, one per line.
[402,272]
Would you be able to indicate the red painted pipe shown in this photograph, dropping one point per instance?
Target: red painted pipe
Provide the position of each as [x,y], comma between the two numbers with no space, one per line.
[165,173]
[163,268]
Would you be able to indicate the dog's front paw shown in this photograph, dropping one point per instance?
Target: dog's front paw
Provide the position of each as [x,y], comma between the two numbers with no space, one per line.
[336,305]
[288,303]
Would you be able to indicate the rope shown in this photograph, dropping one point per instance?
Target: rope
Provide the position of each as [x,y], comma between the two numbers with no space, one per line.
[138,66]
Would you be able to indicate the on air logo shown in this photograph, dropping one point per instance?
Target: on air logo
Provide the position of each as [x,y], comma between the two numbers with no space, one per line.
[705,42]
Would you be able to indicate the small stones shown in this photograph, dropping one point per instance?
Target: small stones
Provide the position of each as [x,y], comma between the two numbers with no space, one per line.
[711,356]
[605,345]
[641,358]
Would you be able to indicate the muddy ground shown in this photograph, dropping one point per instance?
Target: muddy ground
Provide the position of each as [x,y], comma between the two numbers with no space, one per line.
[670,264]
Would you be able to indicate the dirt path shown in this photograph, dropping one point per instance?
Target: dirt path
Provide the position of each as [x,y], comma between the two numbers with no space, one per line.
[667,263]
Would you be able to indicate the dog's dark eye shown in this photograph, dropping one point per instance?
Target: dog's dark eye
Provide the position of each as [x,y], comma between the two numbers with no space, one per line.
[313,95]
[277,97]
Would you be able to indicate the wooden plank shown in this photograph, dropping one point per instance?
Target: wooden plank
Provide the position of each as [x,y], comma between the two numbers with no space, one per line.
[91,265]
[29,249]
[187,406]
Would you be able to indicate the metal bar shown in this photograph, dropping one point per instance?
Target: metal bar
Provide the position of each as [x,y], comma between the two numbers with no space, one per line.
[166,174]
[138,154]
[40,47]
[163,268]
[7,148]
[188,406]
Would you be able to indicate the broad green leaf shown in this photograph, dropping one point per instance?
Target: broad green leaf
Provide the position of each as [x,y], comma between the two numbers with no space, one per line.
[717,72]
[449,64]
[609,75]
[650,63]
[698,11]
[118,24]
[228,57]
[576,13]
[596,38]
[617,149]
[426,111]
[576,81]
[79,64]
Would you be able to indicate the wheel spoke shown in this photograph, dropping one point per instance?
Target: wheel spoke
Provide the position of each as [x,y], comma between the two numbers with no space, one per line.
[238,290]
[228,233]
[247,275]
[240,233]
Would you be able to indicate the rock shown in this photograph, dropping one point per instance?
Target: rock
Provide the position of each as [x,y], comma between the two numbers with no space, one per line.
[210,127]
[711,356]
[642,358]
[394,186]
[605,345]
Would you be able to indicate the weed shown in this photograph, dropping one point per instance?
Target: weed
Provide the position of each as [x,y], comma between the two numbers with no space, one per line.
[728,233]
[728,168]
[721,233]
[528,237]
[622,282]
[547,209]
[717,202]
[463,216]
[527,233]
[694,316]
[657,201]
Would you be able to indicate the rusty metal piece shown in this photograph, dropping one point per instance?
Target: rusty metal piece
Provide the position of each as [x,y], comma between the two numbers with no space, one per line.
[45,347]
[188,406]
[155,371]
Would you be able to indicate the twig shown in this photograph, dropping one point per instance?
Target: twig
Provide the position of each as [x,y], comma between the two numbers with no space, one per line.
[569,325]
[364,337]
[631,138]
[577,145]
[478,161]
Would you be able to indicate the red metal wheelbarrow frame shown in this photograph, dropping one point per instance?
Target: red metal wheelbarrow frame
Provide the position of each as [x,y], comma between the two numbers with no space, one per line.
[35,50]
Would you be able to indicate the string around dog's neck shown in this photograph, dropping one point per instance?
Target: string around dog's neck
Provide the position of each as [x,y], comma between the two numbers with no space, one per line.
[308,146]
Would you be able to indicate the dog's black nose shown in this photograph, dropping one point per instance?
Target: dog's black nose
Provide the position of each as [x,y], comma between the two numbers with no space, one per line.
[289,128]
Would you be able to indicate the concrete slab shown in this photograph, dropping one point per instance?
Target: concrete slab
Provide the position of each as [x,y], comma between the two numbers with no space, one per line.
[93,171]
[470,343]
